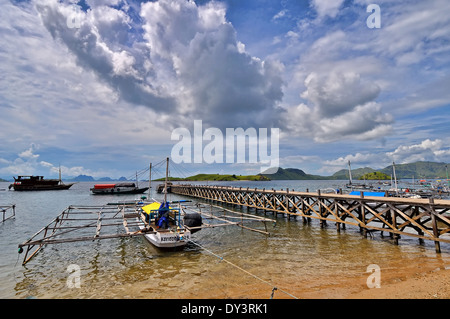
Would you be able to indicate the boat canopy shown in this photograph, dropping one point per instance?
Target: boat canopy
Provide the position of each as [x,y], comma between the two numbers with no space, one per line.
[102,186]
[155,206]
[125,185]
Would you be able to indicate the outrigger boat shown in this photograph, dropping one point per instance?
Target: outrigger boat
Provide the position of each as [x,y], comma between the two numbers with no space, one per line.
[163,224]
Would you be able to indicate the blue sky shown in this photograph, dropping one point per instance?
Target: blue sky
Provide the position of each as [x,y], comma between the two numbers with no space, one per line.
[98,87]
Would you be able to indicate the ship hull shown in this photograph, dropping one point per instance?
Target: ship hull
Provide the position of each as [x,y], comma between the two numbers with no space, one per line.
[38,183]
[40,187]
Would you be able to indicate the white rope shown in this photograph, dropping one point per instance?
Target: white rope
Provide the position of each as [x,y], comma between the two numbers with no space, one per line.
[247,272]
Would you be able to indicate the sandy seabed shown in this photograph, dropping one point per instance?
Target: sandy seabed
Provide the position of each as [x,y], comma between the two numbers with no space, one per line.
[432,285]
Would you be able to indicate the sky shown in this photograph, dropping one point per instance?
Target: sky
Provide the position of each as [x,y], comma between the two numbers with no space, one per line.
[99,87]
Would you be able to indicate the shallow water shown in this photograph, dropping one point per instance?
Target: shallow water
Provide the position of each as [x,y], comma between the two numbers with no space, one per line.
[301,259]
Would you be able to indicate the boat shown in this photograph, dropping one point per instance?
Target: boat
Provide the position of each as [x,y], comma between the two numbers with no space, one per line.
[117,189]
[352,185]
[163,224]
[37,183]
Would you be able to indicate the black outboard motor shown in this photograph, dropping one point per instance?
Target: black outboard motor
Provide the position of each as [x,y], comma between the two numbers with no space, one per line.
[193,220]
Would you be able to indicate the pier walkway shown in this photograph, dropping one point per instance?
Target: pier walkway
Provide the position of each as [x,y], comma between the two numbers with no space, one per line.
[425,219]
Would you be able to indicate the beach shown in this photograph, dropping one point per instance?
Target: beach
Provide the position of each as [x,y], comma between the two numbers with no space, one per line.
[431,285]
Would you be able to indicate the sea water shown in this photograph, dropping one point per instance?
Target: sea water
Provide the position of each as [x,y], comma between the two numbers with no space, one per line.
[305,260]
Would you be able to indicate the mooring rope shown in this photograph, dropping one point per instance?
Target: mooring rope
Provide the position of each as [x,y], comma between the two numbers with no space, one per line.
[274,288]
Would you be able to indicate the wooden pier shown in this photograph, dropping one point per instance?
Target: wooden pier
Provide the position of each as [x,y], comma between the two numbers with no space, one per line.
[425,219]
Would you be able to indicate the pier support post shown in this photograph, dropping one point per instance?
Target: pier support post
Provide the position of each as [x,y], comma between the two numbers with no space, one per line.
[336,211]
[363,216]
[437,244]
[394,223]
[319,200]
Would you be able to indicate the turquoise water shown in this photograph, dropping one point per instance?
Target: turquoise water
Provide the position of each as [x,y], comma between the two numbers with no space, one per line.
[304,260]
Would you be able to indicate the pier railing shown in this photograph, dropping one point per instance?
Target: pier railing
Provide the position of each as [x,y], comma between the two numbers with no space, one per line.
[425,219]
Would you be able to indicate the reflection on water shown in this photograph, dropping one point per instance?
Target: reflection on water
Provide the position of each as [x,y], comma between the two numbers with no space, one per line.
[303,259]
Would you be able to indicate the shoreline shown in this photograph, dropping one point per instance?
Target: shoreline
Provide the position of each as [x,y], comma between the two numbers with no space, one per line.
[434,284]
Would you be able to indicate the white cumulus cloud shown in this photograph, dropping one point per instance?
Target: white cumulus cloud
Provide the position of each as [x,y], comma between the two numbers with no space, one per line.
[340,106]
[180,59]
[327,7]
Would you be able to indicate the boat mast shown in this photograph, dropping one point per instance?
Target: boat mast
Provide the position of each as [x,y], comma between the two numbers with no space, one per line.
[350,172]
[60,181]
[395,178]
[448,181]
[149,181]
[165,183]
[137,184]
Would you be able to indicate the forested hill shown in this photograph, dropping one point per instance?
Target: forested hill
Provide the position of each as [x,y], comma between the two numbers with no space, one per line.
[418,170]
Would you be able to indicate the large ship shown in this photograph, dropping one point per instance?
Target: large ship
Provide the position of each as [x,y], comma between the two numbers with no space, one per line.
[37,183]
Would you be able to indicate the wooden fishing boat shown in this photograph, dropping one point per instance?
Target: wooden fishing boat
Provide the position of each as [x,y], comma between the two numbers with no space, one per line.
[163,224]
[117,189]
[38,183]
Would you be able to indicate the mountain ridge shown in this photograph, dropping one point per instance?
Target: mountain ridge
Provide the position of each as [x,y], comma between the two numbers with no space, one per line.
[418,170]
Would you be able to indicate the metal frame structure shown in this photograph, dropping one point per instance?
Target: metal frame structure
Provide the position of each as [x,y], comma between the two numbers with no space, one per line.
[88,223]
[75,221]
[5,209]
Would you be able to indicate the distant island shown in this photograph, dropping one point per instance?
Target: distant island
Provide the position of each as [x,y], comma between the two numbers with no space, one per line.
[218,177]
[375,176]
[87,178]
[417,170]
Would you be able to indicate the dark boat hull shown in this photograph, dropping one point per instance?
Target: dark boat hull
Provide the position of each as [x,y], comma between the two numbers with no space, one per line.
[41,188]
[38,183]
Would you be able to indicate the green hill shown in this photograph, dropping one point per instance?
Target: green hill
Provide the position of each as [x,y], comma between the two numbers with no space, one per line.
[356,173]
[292,174]
[417,170]
[375,176]
[425,170]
